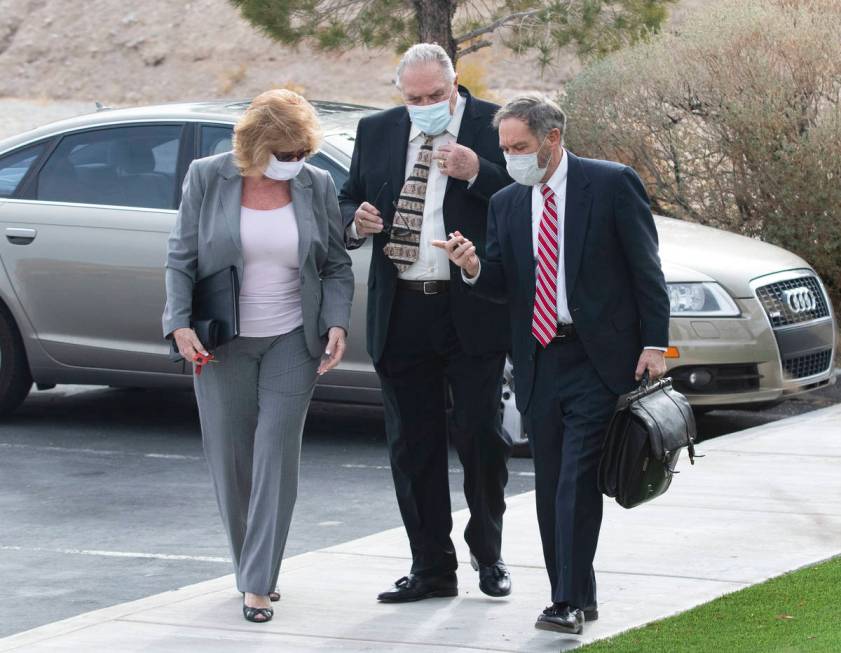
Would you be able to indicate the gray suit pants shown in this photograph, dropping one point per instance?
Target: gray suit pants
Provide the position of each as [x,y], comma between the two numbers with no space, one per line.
[252,407]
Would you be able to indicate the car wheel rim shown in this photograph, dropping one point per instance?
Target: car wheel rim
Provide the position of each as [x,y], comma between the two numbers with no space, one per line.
[512,421]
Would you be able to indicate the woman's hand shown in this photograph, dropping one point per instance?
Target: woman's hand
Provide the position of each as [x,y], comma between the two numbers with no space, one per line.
[334,351]
[188,343]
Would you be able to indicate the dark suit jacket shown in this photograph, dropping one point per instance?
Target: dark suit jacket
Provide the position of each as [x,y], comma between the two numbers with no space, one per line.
[378,168]
[615,287]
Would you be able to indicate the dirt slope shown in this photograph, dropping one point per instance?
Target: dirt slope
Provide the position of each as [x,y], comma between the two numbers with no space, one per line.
[121,52]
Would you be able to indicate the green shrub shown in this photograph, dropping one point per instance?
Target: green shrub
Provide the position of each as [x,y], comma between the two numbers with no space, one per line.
[734,122]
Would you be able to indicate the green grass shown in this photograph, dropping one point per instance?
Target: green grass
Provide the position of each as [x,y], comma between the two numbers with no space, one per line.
[800,611]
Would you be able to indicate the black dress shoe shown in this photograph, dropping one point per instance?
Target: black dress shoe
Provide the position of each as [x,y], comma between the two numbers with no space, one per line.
[494,580]
[561,618]
[417,588]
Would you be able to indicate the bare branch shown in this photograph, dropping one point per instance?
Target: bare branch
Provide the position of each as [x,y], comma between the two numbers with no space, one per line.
[478,45]
[495,25]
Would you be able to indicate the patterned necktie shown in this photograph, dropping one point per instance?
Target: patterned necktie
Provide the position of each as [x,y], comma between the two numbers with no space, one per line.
[403,249]
[544,323]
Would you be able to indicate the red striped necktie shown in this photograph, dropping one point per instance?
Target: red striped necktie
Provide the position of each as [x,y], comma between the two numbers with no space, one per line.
[544,323]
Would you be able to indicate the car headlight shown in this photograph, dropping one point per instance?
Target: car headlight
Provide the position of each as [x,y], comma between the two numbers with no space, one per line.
[705,299]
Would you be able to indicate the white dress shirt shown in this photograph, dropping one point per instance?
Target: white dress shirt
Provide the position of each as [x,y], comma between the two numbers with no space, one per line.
[432,263]
[558,183]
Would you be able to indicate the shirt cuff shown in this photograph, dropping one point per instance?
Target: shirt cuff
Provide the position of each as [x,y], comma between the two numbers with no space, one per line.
[352,231]
[663,349]
[472,180]
[471,281]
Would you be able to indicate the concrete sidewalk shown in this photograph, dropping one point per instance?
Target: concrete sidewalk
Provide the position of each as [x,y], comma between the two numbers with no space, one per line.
[762,502]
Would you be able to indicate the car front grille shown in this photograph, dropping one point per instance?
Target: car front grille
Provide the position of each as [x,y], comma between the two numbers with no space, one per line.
[800,367]
[793,301]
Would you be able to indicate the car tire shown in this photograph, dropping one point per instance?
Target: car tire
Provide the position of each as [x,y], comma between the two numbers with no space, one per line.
[521,451]
[15,378]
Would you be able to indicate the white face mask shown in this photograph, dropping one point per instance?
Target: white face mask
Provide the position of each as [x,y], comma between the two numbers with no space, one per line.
[431,119]
[525,168]
[282,170]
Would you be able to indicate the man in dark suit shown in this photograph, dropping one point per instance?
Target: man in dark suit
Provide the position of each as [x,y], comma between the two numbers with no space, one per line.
[572,250]
[418,171]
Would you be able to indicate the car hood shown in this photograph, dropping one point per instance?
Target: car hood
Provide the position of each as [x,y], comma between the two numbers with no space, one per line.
[692,252]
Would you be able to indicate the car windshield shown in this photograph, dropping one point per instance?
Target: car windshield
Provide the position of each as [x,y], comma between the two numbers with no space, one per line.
[342,141]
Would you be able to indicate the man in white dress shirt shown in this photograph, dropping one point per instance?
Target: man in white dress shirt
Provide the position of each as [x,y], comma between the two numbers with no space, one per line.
[418,171]
[572,251]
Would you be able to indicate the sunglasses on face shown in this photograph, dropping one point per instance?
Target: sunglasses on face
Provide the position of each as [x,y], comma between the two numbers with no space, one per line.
[289,156]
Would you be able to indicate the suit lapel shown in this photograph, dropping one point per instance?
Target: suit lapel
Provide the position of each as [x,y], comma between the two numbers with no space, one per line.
[468,131]
[398,148]
[230,197]
[576,219]
[519,224]
[301,187]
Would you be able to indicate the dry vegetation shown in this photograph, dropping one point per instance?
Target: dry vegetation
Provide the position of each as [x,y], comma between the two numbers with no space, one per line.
[735,122]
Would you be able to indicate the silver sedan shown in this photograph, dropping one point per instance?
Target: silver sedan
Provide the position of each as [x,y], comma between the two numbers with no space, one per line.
[86,206]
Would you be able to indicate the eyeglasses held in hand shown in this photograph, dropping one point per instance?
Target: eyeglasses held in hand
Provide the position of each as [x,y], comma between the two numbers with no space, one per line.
[393,229]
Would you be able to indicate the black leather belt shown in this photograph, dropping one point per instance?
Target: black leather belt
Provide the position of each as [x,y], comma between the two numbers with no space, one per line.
[425,287]
[565,333]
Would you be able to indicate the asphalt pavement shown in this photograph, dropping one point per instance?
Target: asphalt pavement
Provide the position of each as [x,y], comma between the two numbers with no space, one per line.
[746,512]
[105,497]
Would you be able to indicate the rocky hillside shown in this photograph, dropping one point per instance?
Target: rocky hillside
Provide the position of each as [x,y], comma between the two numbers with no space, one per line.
[158,50]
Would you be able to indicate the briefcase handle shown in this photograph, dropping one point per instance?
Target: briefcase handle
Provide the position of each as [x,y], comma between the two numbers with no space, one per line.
[646,387]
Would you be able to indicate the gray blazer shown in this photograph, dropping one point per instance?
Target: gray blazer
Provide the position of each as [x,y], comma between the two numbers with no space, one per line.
[206,239]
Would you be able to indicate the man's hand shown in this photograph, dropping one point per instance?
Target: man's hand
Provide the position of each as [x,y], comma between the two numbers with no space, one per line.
[457,161]
[652,360]
[367,220]
[334,350]
[461,251]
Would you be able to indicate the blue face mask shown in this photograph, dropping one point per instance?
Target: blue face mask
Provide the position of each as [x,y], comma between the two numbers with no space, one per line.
[431,119]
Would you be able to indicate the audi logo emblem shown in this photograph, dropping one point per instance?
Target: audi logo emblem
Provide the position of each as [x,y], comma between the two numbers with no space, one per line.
[800,300]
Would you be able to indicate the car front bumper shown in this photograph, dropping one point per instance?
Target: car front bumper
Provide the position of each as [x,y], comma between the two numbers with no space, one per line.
[745,361]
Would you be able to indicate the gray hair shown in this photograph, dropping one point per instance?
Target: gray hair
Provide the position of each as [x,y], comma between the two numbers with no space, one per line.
[423,53]
[540,113]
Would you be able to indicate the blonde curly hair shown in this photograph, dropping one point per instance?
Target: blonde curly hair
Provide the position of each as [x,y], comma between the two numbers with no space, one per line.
[278,121]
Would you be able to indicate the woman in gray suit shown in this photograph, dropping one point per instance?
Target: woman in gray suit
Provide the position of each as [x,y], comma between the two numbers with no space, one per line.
[276,219]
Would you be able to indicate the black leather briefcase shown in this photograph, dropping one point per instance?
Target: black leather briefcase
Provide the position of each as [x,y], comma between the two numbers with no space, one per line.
[215,310]
[646,434]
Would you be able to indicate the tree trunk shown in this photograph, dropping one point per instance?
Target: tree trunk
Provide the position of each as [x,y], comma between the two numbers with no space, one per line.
[435,23]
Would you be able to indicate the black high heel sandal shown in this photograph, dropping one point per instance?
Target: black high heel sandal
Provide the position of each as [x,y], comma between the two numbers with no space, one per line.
[251,614]
[274,596]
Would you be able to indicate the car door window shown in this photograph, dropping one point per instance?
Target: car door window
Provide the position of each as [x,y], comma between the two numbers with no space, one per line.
[14,166]
[215,139]
[339,174]
[119,166]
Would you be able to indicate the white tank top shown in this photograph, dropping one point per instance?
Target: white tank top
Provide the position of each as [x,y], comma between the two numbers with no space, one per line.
[270,292]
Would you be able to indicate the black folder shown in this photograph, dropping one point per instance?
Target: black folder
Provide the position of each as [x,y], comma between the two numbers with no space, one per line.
[215,311]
